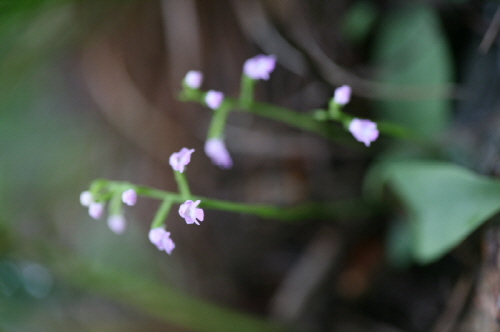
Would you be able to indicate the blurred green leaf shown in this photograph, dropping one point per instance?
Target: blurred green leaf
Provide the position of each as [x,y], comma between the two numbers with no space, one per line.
[412,51]
[446,202]
[157,299]
[358,21]
[399,244]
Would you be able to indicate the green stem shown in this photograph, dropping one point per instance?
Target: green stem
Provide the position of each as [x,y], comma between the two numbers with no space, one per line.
[162,212]
[336,210]
[308,122]
[115,205]
[183,185]
[246,91]
[218,122]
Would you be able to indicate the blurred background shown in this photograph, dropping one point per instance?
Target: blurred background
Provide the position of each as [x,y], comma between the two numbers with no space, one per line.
[89,89]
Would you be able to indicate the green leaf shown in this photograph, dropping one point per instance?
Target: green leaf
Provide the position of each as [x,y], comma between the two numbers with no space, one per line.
[446,202]
[411,52]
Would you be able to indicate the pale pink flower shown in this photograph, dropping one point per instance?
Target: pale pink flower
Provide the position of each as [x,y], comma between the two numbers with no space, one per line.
[364,130]
[179,160]
[259,67]
[342,95]
[117,223]
[96,210]
[191,213]
[216,150]
[214,99]
[129,197]
[193,79]
[161,239]
[86,198]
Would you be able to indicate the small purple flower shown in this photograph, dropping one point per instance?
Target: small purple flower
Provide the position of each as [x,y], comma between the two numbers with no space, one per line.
[179,160]
[364,130]
[193,79]
[96,210]
[259,67]
[342,95]
[216,150]
[129,197]
[214,99]
[161,239]
[117,223]
[191,212]
[86,198]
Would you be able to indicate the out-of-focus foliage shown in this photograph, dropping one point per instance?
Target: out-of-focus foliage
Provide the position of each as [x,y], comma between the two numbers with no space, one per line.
[446,202]
[61,271]
[411,51]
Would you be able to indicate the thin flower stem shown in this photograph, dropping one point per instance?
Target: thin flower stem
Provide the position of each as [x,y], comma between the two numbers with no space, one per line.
[308,122]
[216,129]
[162,212]
[246,92]
[183,185]
[115,205]
[341,209]
[299,120]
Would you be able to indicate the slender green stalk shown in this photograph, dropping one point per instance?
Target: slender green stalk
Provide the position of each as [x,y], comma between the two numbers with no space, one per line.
[183,185]
[115,205]
[246,92]
[329,210]
[162,212]
[334,111]
[313,122]
[218,123]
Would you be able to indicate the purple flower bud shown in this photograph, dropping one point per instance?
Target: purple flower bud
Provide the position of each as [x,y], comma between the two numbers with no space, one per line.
[129,197]
[193,79]
[179,160]
[86,198]
[216,150]
[364,130]
[96,210]
[259,67]
[214,99]
[117,223]
[190,212]
[342,95]
[161,239]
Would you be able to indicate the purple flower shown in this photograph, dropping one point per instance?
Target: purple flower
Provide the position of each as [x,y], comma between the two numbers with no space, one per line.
[216,150]
[214,99]
[161,239]
[180,159]
[342,95]
[86,198]
[193,79]
[190,212]
[129,197]
[364,130]
[117,223]
[96,210]
[259,67]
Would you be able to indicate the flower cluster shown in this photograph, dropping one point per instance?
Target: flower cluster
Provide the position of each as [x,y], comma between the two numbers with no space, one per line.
[363,130]
[158,236]
[259,67]
[116,221]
